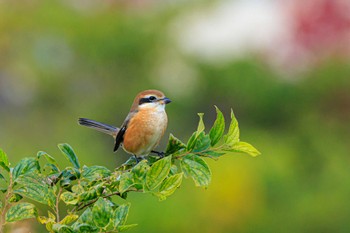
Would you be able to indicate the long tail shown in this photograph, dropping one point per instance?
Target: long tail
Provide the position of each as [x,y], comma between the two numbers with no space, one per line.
[104,128]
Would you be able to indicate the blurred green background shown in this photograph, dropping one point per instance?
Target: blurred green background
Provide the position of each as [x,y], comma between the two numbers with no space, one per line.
[60,60]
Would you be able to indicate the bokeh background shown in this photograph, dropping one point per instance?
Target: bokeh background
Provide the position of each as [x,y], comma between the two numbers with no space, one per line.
[283,66]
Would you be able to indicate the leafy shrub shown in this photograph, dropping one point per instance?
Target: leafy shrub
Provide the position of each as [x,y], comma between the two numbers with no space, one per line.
[87,191]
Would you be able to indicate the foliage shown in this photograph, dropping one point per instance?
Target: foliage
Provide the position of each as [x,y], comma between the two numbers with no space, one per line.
[87,192]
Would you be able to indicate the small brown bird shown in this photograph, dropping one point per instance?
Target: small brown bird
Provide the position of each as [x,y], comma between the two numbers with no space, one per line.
[143,127]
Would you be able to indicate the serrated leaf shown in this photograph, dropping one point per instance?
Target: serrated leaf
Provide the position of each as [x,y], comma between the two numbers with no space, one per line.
[191,144]
[232,136]
[34,187]
[95,172]
[126,181]
[246,148]
[21,211]
[131,162]
[68,152]
[158,172]
[4,162]
[139,172]
[25,166]
[217,131]
[201,126]
[120,215]
[169,185]
[78,189]
[101,213]
[197,168]
[191,141]
[48,157]
[202,143]
[86,217]
[69,198]
[174,145]
[69,219]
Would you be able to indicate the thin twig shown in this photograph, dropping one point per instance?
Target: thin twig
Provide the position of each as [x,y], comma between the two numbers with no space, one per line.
[80,207]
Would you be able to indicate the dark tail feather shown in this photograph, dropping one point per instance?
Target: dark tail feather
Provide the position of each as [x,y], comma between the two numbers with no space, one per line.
[104,128]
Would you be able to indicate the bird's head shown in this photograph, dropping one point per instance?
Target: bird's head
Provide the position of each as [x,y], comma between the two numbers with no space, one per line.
[150,99]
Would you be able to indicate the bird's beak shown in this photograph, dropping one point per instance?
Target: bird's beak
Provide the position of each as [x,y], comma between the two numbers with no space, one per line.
[166,100]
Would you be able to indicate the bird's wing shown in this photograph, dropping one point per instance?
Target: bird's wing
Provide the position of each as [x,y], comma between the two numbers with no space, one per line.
[120,136]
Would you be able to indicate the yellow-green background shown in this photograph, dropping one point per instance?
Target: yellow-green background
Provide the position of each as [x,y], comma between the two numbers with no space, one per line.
[58,63]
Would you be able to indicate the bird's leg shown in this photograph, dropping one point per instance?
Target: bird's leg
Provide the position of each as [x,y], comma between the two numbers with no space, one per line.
[136,159]
[160,154]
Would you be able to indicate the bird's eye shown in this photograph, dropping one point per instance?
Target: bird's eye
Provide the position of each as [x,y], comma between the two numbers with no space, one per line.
[152,98]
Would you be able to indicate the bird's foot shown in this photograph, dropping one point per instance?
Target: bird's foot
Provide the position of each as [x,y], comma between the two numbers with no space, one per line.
[160,154]
[138,159]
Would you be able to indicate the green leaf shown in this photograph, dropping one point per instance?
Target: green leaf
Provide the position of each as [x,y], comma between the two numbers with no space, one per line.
[62,228]
[69,198]
[194,166]
[126,227]
[232,136]
[48,157]
[169,185]
[202,142]
[95,172]
[246,148]
[139,172]
[21,211]
[25,166]
[173,169]
[88,195]
[158,172]
[69,219]
[101,213]
[86,217]
[191,142]
[54,169]
[68,152]
[174,145]
[84,228]
[44,220]
[4,162]
[126,182]
[15,198]
[121,215]
[34,187]
[78,189]
[213,154]
[68,175]
[217,131]
[131,162]
[201,126]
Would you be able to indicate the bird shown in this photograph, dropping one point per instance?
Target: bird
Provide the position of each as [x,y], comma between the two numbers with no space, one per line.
[142,128]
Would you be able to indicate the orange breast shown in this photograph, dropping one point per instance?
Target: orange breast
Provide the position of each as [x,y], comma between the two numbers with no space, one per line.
[144,131]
